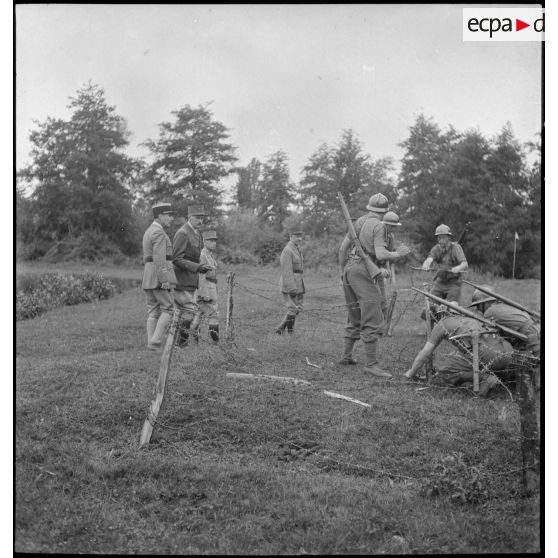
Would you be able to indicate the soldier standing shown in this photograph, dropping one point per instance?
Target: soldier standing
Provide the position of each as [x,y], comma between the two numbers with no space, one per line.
[207,289]
[495,353]
[390,221]
[158,275]
[186,249]
[291,282]
[363,294]
[451,259]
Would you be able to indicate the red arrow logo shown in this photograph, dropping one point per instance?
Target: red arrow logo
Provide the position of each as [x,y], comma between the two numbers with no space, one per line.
[519,25]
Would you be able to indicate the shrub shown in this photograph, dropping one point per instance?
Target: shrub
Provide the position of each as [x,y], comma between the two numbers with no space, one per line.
[39,293]
[453,478]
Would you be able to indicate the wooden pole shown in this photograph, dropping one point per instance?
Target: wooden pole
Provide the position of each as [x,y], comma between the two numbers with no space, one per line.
[530,439]
[475,340]
[514,249]
[230,303]
[161,382]
[428,364]
[388,329]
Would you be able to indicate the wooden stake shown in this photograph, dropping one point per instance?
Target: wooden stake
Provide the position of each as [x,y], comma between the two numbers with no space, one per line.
[475,340]
[428,364]
[530,438]
[229,323]
[161,382]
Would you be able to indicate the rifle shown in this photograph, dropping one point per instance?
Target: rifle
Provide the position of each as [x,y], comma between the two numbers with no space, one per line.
[371,267]
[505,300]
[388,330]
[470,314]
[463,232]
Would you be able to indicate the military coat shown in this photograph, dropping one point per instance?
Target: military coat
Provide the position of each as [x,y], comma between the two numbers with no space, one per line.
[157,256]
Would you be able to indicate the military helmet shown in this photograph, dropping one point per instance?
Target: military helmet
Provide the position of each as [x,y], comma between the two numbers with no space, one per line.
[443,229]
[378,203]
[479,297]
[391,218]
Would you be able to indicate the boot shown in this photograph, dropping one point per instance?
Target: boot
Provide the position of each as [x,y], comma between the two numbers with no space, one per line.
[163,324]
[151,325]
[183,333]
[372,366]
[290,324]
[282,326]
[214,333]
[348,352]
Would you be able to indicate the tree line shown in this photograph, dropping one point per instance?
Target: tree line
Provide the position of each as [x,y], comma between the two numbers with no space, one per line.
[82,196]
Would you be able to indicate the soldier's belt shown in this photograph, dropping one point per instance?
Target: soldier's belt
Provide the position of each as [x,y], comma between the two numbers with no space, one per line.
[211,279]
[299,272]
[150,259]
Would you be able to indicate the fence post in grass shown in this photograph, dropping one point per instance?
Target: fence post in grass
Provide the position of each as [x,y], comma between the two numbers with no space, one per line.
[229,322]
[161,382]
[428,364]
[475,341]
[530,442]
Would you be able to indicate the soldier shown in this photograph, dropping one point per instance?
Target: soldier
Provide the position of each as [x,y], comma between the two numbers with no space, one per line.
[451,259]
[495,353]
[363,294]
[390,221]
[158,275]
[186,249]
[291,283]
[510,317]
[207,289]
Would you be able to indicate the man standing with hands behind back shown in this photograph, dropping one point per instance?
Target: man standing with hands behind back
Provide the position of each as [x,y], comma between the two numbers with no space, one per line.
[158,274]
[186,249]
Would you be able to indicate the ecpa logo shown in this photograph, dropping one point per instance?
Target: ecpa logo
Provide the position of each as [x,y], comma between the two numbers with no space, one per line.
[503,24]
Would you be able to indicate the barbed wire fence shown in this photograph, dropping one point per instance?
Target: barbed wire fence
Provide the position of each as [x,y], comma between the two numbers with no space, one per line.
[239,356]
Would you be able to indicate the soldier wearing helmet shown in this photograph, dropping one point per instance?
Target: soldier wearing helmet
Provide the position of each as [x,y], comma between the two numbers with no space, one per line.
[495,353]
[451,261]
[363,295]
[510,317]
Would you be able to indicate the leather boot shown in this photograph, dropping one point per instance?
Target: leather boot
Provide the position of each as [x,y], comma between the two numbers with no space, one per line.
[183,333]
[372,366]
[163,324]
[280,330]
[348,352]
[290,324]
[151,325]
[214,333]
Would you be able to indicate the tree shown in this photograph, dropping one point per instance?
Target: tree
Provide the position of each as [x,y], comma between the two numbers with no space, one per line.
[247,185]
[346,169]
[191,156]
[79,174]
[274,191]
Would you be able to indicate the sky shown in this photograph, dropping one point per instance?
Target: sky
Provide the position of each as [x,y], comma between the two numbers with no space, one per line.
[284,77]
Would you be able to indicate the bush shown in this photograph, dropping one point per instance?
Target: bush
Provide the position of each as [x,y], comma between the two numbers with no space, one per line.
[38,293]
[452,477]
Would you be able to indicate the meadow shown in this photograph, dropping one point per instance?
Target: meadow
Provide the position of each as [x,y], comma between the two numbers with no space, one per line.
[256,466]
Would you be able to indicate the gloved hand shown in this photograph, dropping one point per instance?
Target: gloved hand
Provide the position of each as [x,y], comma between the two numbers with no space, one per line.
[403,250]
[204,268]
[384,272]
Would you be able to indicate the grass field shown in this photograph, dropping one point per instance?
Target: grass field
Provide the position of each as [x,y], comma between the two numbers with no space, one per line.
[257,467]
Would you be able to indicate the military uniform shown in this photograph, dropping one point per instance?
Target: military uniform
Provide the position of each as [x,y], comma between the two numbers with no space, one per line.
[291,283]
[207,290]
[495,353]
[158,270]
[186,250]
[447,285]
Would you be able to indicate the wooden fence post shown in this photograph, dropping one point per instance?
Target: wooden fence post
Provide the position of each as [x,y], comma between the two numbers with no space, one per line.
[475,341]
[229,322]
[428,364]
[161,382]
[530,440]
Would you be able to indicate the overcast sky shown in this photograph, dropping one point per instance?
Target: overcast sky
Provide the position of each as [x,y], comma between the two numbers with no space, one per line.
[280,76]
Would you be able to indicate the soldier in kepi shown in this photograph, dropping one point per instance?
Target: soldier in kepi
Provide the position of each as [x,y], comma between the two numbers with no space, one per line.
[186,250]
[495,353]
[207,289]
[452,263]
[291,283]
[363,295]
[158,275]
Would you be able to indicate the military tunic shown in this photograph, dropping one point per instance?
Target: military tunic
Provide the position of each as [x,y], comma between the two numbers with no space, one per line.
[291,282]
[207,289]
[518,320]
[363,295]
[186,249]
[158,269]
[447,285]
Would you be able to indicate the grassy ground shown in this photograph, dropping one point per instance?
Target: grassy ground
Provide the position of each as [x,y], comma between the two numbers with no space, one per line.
[255,467]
